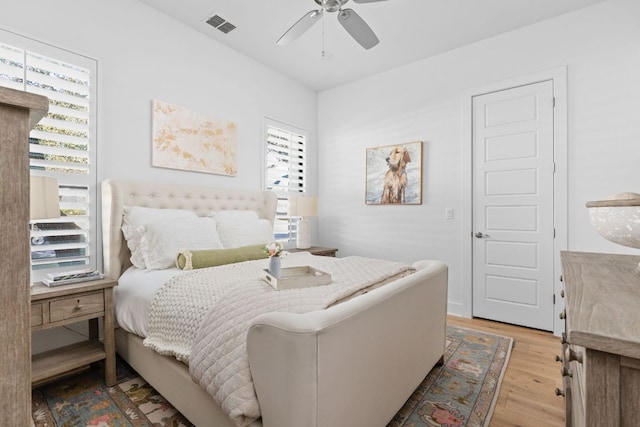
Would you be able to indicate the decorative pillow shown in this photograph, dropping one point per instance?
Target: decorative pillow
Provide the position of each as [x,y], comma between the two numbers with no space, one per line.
[234,234]
[162,240]
[233,215]
[134,217]
[191,259]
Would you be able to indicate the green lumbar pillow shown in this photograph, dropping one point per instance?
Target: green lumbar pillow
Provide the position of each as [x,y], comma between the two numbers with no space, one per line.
[202,258]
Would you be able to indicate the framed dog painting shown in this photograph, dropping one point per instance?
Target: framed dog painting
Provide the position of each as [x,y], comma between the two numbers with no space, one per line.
[394,174]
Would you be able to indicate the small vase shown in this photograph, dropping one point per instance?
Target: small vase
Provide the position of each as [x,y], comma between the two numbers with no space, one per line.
[274,266]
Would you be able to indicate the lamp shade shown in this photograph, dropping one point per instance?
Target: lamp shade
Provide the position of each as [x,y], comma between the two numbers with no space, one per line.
[44,201]
[303,206]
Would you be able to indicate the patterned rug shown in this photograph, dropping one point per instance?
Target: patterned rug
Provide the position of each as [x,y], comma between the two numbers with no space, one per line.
[462,392]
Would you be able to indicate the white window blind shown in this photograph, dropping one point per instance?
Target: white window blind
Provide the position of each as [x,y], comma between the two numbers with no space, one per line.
[62,145]
[285,171]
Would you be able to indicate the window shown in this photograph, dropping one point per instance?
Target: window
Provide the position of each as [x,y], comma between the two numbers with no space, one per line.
[62,145]
[285,171]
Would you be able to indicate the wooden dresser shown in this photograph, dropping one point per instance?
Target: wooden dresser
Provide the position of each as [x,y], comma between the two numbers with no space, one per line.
[19,112]
[601,345]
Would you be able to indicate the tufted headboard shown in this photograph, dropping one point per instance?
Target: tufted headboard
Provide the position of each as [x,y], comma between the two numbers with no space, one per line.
[200,199]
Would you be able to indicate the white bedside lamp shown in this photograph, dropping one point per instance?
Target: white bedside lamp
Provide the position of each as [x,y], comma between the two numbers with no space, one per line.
[303,207]
[44,201]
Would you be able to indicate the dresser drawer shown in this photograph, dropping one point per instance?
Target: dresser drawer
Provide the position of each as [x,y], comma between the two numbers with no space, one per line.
[76,306]
[36,314]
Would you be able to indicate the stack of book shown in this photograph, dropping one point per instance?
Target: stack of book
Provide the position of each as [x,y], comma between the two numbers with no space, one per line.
[66,277]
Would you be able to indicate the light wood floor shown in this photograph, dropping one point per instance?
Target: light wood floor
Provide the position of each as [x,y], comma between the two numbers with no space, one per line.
[527,395]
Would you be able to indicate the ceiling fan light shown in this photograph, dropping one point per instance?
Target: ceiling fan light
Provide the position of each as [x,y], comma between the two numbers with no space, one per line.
[331,5]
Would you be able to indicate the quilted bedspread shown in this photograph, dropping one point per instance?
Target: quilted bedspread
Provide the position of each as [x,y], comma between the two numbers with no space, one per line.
[207,326]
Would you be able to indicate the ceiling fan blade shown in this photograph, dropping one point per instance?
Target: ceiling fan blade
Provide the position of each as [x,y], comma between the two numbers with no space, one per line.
[300,27]
[367,1]
[359,30]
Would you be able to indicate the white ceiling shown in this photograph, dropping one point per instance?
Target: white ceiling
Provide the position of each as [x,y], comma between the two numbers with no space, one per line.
[408,30]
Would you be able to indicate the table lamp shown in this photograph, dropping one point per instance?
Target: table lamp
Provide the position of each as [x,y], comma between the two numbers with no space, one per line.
[303,207]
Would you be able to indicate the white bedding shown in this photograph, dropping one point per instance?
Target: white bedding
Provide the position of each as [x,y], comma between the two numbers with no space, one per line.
[137,287]
[133,295]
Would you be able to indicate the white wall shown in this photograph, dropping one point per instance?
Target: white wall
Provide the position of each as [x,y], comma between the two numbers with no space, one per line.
[144,55]
[600,46]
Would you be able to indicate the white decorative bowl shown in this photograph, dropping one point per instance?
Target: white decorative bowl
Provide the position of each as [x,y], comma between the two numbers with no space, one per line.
[617,218]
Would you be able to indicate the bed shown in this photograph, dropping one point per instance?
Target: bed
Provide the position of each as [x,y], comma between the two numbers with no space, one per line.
[354,363]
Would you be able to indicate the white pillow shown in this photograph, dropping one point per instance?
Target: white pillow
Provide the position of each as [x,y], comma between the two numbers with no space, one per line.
[234,234]
[134,217]
[162,240]
[233,215]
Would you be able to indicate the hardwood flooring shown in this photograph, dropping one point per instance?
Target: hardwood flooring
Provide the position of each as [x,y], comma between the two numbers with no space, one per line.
[527,395]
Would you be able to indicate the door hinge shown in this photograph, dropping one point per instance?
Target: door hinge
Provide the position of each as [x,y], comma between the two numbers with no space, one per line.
[554,233]
[554,102]
[554,299]
[554,167]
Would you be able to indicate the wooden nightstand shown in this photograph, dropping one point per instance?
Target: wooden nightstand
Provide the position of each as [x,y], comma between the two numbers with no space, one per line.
[317,250]
[52,307]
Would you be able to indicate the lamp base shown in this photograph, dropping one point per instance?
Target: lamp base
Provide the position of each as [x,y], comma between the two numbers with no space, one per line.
[304,234]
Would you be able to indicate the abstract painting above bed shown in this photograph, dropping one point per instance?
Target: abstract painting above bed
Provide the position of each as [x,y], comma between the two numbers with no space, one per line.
[191,141]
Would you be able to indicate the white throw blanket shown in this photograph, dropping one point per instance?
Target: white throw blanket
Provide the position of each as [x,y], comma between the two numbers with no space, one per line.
[207,325]
[180,305]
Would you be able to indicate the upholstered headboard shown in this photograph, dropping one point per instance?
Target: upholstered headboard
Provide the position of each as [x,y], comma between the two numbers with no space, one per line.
[199,199]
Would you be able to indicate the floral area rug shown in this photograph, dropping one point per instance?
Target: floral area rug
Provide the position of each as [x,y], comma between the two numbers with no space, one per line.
[461,392]
[84,400]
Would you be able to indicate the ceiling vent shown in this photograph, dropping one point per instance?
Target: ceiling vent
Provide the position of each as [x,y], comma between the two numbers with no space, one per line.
[221,24]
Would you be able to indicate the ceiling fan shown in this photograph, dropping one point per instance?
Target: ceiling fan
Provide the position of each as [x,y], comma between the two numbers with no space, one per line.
[348,18]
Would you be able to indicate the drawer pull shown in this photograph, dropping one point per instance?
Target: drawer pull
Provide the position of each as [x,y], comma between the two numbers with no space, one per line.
[559,392]
[562,293]
[566,372]
[558,358]
[561,278]
[572,356]
[563,314]
[563,340]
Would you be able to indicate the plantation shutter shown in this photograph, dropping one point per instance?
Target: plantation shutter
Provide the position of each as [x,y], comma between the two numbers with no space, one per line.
[61,146]
[11,67]
[285,171]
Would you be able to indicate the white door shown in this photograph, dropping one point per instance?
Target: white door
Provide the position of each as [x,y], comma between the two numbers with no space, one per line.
[513,211]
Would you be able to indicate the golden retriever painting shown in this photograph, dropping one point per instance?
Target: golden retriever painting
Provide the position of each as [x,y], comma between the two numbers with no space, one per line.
[395,179]
[394,174]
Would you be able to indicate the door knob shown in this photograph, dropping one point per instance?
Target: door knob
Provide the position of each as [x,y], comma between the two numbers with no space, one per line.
[480,235]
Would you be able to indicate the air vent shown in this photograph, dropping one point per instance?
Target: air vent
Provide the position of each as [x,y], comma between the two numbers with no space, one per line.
[226,27]
[221,24]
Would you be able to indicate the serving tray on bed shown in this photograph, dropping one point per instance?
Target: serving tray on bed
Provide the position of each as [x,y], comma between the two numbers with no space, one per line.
[297,277]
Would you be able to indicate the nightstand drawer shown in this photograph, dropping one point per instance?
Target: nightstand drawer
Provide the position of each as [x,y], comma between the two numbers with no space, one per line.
[36,314]
[76,306]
